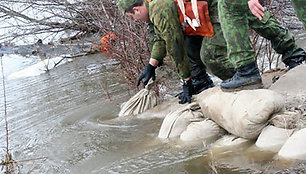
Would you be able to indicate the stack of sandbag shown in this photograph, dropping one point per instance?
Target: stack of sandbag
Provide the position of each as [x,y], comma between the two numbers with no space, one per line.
[286,132]
[188,122]
[281,127]
[145,99]
[289,130]
[178,120]
[243,113]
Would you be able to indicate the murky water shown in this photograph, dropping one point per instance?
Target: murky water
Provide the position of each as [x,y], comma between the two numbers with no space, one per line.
[65,117]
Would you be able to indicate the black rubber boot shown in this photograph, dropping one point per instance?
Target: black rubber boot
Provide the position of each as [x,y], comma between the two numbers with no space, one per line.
[293,62]
[200,83]
[247,75]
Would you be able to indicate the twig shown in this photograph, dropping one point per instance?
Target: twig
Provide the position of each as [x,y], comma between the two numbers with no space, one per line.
[5,106]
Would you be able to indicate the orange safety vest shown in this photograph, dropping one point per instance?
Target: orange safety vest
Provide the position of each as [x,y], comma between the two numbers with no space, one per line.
[206,28]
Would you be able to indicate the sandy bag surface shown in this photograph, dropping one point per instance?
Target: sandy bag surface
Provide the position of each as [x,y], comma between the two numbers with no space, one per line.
[177,121]
[244,113]
[273,138]
[145,99]
[205,130]
[295,147]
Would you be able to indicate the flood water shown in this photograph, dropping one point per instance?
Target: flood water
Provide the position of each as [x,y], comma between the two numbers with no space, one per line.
[64,117]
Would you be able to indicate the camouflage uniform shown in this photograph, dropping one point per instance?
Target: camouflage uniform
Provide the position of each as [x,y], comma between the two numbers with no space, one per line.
[166,35]
[299,7]
[234,24]
[214,50]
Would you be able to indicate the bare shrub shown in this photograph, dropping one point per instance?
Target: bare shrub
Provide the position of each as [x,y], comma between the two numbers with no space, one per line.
[129,47]
[130,44]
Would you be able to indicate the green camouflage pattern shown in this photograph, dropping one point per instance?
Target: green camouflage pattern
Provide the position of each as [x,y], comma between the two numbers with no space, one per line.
[214,54]
[125,4]
[234,24]
[282,41]
[167,35]
[214,49]
[300,10]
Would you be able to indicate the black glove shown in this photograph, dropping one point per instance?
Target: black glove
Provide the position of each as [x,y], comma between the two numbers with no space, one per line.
[187,92]
[146,74]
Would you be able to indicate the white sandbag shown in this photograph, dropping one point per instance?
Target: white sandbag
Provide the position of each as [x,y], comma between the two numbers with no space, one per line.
[244,113]
[177,121]
[295,146]
[205,130]
[272,138]
[230,141]
[286,120]
[145,99]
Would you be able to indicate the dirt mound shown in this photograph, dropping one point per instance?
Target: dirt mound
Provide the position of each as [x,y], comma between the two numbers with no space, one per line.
[293,86]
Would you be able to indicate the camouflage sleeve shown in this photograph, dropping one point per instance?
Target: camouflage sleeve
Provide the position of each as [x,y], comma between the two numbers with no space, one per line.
[157,45]
[164,16]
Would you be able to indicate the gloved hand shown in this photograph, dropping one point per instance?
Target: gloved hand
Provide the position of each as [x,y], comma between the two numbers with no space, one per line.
[187,92]
[146,74]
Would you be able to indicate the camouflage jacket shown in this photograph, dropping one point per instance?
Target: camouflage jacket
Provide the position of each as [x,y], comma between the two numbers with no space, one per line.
[166,36]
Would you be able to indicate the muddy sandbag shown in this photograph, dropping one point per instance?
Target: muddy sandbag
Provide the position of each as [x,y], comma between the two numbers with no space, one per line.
[145,99]
[272,138]
[205,130]
[177,121]
[295,146]
[286,120]
[244,113]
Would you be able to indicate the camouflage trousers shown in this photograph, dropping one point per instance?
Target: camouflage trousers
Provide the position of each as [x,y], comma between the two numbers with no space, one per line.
[213,50]
[214,54]
[299,7]
[234,43]
[235,27]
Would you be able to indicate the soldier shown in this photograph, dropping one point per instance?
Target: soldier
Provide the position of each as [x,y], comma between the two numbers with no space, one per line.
[235,24]
[214,51]
[166,36]
[298,5]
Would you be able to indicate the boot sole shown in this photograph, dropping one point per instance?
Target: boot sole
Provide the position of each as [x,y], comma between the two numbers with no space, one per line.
[249,86]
